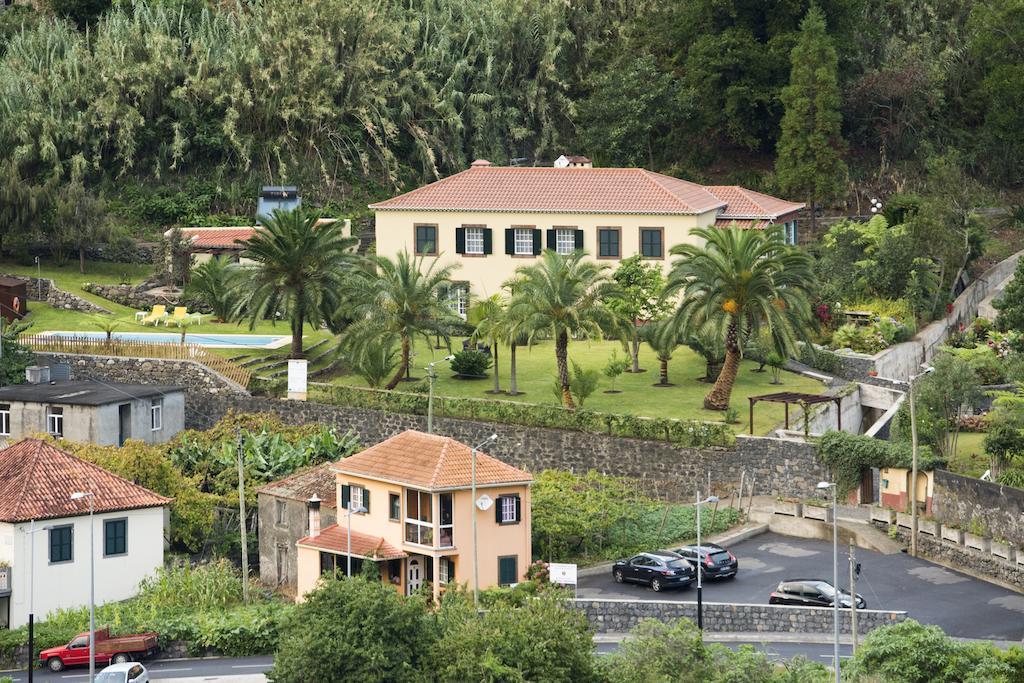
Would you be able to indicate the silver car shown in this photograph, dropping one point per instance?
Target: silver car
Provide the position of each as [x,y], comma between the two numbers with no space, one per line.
[129,672]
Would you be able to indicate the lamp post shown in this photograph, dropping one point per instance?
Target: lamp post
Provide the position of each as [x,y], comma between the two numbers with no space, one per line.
[913,459]
[431,376]
[700,565]
[359,509]
[92,581]
[32,531]
[835,575]
[476,560]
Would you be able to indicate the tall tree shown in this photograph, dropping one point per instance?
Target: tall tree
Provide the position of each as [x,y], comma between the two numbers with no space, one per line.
[564,296]
[297,271]
[213,284]
[810,150]
[79,220]
[488,315]
[641,284]
[400,296]
[740,281]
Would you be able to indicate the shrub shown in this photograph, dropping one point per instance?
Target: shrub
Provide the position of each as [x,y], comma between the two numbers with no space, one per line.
[583,383]
[471,364]
[691,433]
[984,362]
[820,359]
[1013,477]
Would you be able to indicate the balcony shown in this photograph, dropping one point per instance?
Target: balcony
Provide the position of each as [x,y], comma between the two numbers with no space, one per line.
[5,581]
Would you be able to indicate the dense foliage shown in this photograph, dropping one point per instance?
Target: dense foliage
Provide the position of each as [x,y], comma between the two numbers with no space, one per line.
[600,517]
[694,433]
[1010,303]
[848,455]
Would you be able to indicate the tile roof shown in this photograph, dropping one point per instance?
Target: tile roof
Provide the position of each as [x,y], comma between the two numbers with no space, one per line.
[744,223]
[743,203]
[430,462]
[483,187]
[37,480]
[335,538]
[218,238]
[319,480]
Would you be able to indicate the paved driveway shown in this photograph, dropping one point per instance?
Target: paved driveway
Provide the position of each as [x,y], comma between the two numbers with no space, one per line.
[963,606]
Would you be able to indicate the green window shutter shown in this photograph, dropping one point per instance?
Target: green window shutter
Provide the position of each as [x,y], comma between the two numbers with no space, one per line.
[510,241]
[537,240]
[497,509]
[552,240]
[460,240]
[519,509]
[488,241]
[366,500]
[579,239]
[507,571]
[346,496]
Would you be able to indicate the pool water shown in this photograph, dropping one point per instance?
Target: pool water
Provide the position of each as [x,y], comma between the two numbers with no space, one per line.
[213,340]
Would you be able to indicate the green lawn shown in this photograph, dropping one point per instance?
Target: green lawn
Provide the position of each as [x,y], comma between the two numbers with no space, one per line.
[536,376]
[970,459]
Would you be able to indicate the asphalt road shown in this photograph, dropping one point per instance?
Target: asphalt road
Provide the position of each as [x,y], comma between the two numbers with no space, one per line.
[208,669]
[963,606]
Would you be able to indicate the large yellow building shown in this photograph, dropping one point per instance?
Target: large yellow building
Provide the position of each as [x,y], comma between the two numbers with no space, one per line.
[416,491]
[489,220]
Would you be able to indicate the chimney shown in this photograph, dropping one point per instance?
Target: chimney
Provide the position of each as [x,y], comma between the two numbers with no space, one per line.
[314,516]
[37,374]
[480,163]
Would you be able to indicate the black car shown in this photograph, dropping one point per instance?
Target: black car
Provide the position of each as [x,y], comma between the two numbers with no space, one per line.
[811,593]
[659,569]
[715,562]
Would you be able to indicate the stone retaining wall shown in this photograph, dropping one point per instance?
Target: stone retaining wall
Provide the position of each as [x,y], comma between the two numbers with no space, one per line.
[778,467]
[620,616]
[966,502]
[199,381]
[132,296]
[966,560]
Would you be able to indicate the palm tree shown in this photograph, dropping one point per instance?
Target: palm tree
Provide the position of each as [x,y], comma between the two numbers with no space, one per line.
[663,338]
[563,296]
[400,297]
[298,271]
[740,280]
[488,315]
[212,284]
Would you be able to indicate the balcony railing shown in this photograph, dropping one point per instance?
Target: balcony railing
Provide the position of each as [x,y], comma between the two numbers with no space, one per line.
[5,580]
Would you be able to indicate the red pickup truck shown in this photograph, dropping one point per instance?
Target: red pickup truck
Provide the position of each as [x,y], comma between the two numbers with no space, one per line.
[117,650]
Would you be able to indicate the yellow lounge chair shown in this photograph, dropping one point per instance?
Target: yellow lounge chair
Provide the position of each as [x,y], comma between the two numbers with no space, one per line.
[158,313]
[181,316]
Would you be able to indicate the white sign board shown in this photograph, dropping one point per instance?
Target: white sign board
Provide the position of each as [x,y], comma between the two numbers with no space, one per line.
[564,574]
[297,373]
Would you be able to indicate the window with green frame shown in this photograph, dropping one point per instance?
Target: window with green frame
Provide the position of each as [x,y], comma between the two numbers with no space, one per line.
[61,544]
[115,537]
[508,572]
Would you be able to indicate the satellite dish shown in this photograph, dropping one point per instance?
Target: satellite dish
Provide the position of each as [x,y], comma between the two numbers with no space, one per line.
[484,502]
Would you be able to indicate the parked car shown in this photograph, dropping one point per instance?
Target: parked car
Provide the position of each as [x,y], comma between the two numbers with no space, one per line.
[117,650]
[811,593]
[714,561]
[659,569]
[130,672]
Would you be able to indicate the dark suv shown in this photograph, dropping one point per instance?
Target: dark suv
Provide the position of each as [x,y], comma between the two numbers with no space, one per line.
[715,562]
[811,593]
[659,569]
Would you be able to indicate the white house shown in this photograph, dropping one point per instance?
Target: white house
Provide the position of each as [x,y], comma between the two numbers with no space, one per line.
[37,480]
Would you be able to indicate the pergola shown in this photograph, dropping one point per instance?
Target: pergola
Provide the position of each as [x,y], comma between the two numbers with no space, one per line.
[788,397]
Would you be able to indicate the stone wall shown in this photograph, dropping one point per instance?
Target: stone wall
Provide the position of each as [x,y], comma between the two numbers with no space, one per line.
[997,509]
[967,560]
[132,296]
[775,466]
[43,289]
[619,616]
[199,381]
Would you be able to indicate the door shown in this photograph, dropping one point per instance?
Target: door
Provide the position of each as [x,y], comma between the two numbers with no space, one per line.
[282,564]
[124,423]
[415,575]
[78,651]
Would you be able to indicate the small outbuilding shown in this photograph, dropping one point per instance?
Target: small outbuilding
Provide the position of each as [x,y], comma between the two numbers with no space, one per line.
[13,298]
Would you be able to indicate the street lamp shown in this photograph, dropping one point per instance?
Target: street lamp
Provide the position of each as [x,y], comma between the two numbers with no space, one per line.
[79,495]
[823,485]
[913,458]
[32,531]
[700,565]
[431,376]
[359,509]
[476,560]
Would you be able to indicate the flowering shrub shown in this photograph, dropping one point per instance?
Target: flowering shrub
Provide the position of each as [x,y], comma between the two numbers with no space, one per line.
[973,423]
[538,572]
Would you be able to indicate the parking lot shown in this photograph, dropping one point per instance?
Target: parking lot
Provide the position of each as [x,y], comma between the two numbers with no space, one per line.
[963,606]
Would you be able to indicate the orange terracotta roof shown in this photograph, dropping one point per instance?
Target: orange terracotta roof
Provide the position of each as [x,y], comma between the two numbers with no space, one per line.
[483,187]
[430,462]
[37,480]
[319,480]
[218,238]
[743,203]
[334,538]
[745,224]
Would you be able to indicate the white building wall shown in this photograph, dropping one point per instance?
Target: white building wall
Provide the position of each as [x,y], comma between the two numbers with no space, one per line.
[6,543]
[66,585]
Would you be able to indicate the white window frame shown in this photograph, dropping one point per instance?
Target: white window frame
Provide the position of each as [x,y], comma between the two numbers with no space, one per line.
[508,510]
[5,419]
[475,241]
[523,241]
[442,571]
[156,414]
[355,497]
[565,241]
[55,420]
[424,528]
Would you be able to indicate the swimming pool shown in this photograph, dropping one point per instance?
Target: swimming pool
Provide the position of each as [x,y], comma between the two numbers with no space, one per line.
[211,340]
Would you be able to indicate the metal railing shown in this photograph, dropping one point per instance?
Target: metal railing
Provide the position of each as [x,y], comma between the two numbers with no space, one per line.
[129,348]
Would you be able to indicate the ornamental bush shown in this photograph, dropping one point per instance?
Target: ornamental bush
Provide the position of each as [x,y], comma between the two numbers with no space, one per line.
[471,364]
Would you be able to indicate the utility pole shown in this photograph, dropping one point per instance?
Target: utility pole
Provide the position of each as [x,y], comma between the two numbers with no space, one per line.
[853,598]
[241,517]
